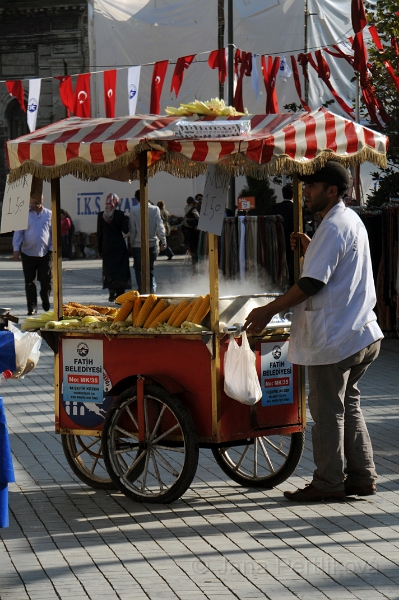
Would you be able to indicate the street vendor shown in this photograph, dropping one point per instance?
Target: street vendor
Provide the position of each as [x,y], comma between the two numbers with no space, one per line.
[335,332]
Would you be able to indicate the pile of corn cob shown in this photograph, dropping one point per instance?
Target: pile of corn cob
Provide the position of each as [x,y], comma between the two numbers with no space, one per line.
[135,315]
[154,315]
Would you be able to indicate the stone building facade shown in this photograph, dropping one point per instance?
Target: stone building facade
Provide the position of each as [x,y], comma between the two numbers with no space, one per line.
[38,39]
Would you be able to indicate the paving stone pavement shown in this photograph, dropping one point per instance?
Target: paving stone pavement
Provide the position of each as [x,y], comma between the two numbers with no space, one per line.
[219,541]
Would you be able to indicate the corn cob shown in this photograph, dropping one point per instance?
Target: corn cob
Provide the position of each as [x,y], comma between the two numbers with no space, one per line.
[182,316]
[132,295]
[178,308]
[124,311]
[202,311]
[163,316]
[195,307]
[145,310]
[136,309]
[158,308]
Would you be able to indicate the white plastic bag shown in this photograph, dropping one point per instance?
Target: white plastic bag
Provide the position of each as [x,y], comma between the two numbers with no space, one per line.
[240,377]
[27,350]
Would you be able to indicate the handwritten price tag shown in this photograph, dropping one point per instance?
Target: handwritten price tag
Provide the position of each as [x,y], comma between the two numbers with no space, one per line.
[15,210]
[214,201]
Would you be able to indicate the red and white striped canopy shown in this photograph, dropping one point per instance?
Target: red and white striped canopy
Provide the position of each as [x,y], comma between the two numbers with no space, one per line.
[280,143]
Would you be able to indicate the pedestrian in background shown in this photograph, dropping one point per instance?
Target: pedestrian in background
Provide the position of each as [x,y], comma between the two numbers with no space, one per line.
[286,210]
[156,236]
[191,231]
[165,216]
[34,245]
[66,224]
[111,225]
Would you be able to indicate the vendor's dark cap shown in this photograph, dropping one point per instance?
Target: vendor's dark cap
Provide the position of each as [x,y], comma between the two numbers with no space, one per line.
[333,173]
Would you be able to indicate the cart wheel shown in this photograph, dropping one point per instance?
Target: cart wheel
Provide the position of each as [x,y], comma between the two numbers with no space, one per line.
[263,462]
[160,468]
[84,455]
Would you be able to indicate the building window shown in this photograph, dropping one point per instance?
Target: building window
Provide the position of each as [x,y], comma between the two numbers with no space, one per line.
[16,120]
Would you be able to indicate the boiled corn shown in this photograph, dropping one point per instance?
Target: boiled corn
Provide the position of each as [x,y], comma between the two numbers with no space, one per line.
[158,308]
[146,310]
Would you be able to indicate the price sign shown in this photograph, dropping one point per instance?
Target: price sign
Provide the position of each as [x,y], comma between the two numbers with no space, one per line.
[214,201]
[246,203]
[16,204]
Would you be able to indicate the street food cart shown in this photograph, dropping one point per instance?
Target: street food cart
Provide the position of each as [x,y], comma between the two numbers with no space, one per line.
[144,403]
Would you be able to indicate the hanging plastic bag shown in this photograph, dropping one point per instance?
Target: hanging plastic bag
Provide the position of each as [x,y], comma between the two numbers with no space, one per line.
[241,380]
[27,350]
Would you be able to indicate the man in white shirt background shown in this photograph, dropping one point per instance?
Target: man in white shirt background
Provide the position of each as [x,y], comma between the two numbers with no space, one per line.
[156,235]
[34,246]
[335,332]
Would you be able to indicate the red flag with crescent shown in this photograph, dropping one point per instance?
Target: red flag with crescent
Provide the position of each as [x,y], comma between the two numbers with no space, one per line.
[158,78]
[16,89]
[82,96]
[178,74]
[358,15]
[110,93]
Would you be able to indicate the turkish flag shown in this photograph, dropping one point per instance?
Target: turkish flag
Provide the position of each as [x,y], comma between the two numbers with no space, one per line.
[158,78]
[245,61]
[66,93]
[270,70]
[15,89]
[178,74]
[217,59]
[82,96]
[110,93]
[358,14]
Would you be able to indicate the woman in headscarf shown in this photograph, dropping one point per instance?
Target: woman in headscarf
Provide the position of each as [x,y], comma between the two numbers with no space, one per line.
[111,225]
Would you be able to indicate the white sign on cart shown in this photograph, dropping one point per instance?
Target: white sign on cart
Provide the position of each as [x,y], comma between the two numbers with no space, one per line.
[15,211]
[214,201]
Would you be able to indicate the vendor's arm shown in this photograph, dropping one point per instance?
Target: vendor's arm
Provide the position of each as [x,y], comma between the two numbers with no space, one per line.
[258,318]
[303,239]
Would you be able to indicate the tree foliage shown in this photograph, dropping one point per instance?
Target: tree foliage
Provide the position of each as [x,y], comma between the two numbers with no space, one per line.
[386,20]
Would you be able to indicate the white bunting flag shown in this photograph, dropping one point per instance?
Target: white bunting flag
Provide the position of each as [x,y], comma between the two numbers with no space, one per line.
[33,103]
[133,80]
[254,76]
[284,70]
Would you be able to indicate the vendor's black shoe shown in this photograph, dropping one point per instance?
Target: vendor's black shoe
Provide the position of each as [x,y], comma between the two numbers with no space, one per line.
[360,490]
[112,295]
[32,311]
[170,257]
[311,494]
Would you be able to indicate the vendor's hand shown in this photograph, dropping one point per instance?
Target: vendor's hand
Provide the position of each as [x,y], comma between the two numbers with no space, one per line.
[258,318]
[15,255]
[303,239]
[163,247]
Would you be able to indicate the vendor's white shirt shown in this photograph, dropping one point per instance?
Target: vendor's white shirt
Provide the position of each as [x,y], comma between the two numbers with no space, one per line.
[339,320]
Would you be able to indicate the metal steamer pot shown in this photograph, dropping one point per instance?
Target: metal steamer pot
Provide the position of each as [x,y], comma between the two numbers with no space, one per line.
[5,317]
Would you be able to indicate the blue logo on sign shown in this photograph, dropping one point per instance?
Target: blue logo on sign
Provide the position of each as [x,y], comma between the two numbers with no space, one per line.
[132,91]
[32,105]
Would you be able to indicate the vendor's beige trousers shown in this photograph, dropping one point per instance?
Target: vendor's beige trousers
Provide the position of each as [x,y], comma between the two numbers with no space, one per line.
[339,431]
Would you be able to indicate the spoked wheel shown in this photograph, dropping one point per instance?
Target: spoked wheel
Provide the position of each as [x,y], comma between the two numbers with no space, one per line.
[84,455]
[159,464]
[264,461]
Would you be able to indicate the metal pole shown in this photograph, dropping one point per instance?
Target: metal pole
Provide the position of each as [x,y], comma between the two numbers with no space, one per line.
[357,115]
[305,46]
[230,40]
[221,24]
[144,241]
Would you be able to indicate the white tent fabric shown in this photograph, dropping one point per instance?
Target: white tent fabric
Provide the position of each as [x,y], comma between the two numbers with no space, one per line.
[133,32]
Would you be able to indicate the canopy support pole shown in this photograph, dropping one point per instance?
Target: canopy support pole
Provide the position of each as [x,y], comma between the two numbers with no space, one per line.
[213,241]
[144,240]
[298,223]
[298,227]
[57,247]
